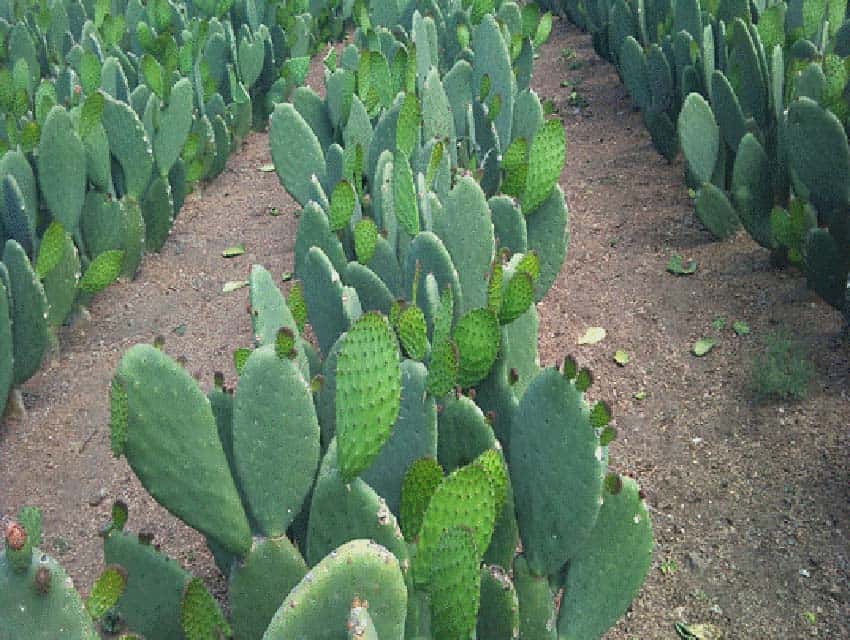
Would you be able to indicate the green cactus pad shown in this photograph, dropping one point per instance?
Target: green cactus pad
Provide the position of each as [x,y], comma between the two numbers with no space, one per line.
[62,168]
[368,380]
[331,307]
[341,511]
[728,111]
[537,615]
[29,313]
[443,368]
[494,288]
[158,213]
[464,499]
[102,271]
[175,121]
[130,145]
[260,583]
[420,481]
[826,267]
[548,236]
[404,196]
[269,311]
[296,304]
[371,290]
[498,614]
[515,167]
[429,253]
[106,590]
[477,337]
[607,572]
[414,435]
[275,439]
[200,616]
[171,428]
[634,72]
[365,240]
[319,606]
[493,59]
[699,136]
[343,201]
[407,129]
[7,364]
[467,233]
[518,297]
[289,131]
[455,584]
[716,212]
[314,231]
[359,624]
[554,452]
[41,603]
[60,283]
[463,433]
[150,603]
[412,332]
[545,162]
[752,192]
[508,224]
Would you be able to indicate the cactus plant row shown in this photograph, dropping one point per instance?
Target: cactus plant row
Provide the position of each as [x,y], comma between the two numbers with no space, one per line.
[110,114]
[756,98]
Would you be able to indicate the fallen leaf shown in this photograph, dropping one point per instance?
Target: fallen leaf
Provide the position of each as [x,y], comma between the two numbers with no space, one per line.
[592,336]
[718,323]
[267,168]
[639,395]
[233,285]
[286,276]
[232,252]
[273,212]
[703,346]
[180,330]
[740,328]
[679,266]
[621,358]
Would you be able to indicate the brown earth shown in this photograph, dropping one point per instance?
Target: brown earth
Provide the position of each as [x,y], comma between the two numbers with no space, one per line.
[750,500]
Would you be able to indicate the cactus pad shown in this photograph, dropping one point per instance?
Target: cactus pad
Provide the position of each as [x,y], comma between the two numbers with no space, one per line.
[477,337]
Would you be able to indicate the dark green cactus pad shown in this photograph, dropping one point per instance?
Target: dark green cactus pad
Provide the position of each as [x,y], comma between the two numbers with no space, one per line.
[548,236]
[314,231]
[150,603]
[109,224]
[130,145]
[467,233]
[318,607]
[663,133]
[62,168]
[498,613]
[315,113]
[331,307]
[171,428]
[341,511]
[420,481]
[289,131]
[826,267]
[275,439]
[430,254]
[7,364]
[699,136]
[716,212]
[537,615]
[727,110]
[634,72]
[477,338]
[607,572]
[464,499]
[752,192]
[269,311]
[503,544]
[200,616]
[260,583]
[545,162]
[413,436]
[463,433]
[371,290]
[747,72]
[368,382]
[820,159]
[15,221]
[554,452]
[29,313]
[14,162]
[437,119]
[326,396]
[455,584]
[175,122]
[412,332]
[158,213]
[29,613]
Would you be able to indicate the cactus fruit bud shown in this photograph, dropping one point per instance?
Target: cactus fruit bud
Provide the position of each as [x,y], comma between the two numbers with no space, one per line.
[42,580]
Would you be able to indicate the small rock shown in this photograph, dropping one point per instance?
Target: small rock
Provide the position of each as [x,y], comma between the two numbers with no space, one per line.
[97,497]
[805,573]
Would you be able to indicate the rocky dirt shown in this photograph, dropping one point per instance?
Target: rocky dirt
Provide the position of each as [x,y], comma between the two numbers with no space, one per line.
[750,499]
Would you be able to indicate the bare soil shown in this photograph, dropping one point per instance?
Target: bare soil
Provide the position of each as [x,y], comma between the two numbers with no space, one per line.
[750,500]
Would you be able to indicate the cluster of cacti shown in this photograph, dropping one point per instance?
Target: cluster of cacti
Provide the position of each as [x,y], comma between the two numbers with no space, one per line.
[110,112]
[755,95]
[416,285]
[37,598]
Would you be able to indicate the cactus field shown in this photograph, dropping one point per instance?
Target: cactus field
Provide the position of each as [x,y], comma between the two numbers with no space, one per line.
[441,345]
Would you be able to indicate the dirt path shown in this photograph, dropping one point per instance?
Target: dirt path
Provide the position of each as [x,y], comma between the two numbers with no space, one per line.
[750,501]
